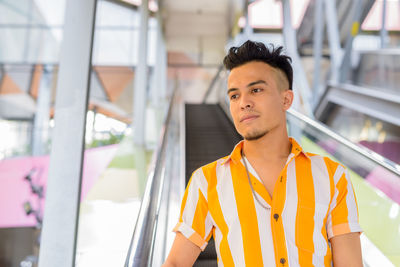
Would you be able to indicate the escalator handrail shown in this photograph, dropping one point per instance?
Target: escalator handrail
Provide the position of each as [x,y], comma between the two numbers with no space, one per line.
[143,236]
[212,84]
[371,155]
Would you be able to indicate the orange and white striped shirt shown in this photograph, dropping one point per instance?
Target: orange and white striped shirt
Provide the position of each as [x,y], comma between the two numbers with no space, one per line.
[313,200]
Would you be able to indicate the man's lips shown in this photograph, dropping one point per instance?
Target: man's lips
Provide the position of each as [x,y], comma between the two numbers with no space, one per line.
[248,118]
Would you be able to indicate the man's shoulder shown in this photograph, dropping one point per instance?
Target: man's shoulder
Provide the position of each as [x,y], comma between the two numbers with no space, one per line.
[331,164]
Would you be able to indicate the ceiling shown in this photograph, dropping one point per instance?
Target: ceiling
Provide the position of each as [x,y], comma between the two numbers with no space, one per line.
[200,29]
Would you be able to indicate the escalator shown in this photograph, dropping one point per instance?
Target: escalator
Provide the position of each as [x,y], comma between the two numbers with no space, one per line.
[365,108]
[208,134]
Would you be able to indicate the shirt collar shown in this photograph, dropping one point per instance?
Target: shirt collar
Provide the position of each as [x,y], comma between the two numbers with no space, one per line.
[236,154]
[296,148]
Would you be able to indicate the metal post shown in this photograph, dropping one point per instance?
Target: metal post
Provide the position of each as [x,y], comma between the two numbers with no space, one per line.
[355,27]
[27,45]
[384,33]
[317,48]
[158,82]
[59,234]
[41,120]
[300,82]
[335,49]
[141,79]
[248,30]
[163,70]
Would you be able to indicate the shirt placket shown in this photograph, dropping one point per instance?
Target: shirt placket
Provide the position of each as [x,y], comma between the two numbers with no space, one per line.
[278,203]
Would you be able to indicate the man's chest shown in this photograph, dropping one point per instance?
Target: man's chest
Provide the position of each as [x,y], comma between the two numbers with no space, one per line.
[297,196]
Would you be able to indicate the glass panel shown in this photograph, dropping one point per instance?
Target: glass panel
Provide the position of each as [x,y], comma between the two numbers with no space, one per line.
[110,14]
[49,12]
[15,140]
[44,45]
[18,76]
[374,18]
[115,47]
[12,45]
[15,11]
[379,69]
[379,136]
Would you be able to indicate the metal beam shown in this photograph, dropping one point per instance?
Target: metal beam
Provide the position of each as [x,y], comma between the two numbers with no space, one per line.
[384,33]
[375,103]
[42,114]
[355,28]
[300,82]
[59,234]
[317,48]
[158,88]
[141,78]
[335,49]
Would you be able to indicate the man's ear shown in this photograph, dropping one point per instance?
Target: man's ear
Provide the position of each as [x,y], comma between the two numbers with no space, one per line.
[287,99]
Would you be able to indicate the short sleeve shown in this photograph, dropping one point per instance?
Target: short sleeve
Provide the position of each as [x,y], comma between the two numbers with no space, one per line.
[343,212]
[195,221]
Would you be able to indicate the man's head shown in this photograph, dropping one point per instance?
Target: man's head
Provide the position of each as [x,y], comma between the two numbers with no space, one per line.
[259,88]
[256,51]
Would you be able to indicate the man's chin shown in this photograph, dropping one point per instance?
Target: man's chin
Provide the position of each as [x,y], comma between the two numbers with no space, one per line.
[254,136]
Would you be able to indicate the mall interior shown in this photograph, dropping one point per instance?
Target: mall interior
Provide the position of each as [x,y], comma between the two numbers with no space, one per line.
[108,106]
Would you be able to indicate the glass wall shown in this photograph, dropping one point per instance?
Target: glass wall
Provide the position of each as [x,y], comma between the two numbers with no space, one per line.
[31,40]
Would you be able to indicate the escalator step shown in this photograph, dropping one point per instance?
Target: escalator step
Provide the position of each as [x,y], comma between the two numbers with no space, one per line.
[206,263]
[209,135]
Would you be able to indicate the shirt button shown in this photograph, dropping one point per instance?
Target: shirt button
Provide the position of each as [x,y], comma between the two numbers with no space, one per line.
[276,216]
[283,261]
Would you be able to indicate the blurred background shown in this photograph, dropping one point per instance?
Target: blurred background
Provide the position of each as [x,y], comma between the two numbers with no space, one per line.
[106,107]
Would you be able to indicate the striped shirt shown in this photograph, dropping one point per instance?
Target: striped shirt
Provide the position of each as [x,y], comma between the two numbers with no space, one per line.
[313,200]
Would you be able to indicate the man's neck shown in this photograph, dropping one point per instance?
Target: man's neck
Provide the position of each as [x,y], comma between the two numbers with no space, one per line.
[275,145]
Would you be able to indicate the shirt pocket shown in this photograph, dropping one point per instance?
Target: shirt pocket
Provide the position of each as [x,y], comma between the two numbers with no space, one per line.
[307,219]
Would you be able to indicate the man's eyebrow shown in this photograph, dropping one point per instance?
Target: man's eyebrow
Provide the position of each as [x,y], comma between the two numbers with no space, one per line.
[231,90]
[256,82]
[249,85]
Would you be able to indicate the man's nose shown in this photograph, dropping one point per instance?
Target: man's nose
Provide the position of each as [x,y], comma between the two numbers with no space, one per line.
[245,102]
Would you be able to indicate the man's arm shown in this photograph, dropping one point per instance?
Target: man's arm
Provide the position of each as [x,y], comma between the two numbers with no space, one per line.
[183,252]
[346,250]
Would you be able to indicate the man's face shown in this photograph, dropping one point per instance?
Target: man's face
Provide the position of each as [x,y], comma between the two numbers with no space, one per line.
[259,97]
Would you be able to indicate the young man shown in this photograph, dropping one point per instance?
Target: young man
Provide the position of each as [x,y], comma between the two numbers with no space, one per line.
[269,203]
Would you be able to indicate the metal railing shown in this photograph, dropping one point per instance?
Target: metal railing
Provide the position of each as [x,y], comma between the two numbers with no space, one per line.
[365,152]
[142,242]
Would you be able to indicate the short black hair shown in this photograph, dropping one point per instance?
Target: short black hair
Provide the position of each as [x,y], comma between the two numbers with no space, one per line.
[257,51]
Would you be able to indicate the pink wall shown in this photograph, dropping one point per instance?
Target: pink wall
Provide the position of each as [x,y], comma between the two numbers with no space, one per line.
[15,190]
[386,182]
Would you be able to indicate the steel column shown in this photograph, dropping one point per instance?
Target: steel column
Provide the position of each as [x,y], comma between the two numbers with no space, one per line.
[141,79]
[158,81]
[345,67]
[59,234]
[42,114]
[384,33]
[300,82]
[335,49]
[317,48]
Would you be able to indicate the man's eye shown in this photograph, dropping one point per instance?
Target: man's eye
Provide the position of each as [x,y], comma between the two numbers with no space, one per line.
[256,90]
[233,97]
